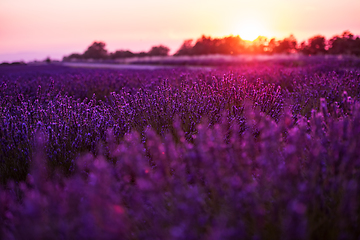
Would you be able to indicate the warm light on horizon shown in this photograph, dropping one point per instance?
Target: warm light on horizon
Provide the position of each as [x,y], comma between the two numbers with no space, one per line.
[251,29]
[38,29]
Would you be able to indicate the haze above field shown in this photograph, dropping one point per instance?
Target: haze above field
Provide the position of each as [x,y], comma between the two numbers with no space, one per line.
[38,29]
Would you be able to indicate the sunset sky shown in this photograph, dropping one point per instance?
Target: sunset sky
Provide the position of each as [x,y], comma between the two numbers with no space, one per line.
[36,29]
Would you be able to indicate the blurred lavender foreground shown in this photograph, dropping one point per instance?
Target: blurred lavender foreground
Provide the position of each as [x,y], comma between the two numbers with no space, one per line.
[257,151]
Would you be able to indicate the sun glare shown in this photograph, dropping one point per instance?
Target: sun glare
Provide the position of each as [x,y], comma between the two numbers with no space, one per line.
[250,30]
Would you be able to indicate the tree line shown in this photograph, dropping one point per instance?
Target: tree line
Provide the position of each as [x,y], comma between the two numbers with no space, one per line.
[346,43]
[97,51]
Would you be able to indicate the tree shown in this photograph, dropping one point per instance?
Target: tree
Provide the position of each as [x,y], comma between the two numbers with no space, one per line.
[121,54]
[185,49]
[232,45]
[272,45]
[204,45]
[356,49]
[316,45]
[141,54]
[47,60]
[73,56]
[96,51]
[159,51]
[344,44]
[304,48]
[287,45]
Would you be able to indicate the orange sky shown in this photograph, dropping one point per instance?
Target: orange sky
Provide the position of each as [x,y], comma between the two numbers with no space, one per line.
[35,29]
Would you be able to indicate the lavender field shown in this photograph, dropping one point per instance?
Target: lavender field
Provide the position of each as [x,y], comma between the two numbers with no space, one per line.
[255,150]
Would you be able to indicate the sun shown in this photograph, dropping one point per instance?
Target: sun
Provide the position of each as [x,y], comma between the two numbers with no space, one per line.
[250,30]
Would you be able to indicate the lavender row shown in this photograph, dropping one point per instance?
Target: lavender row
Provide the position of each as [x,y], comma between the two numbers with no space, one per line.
[278,179]
[74,124]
